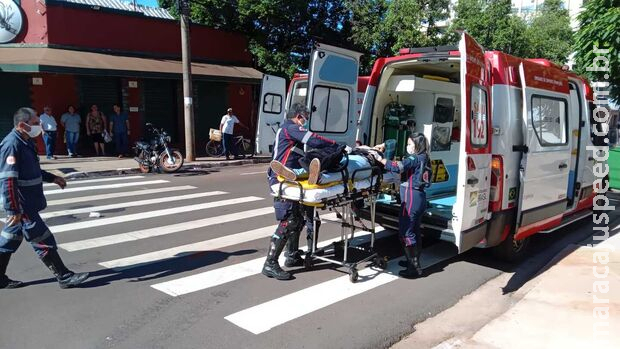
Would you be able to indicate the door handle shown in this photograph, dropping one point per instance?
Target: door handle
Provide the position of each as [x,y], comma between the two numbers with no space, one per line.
[591,158]
[472,181]
[562,166]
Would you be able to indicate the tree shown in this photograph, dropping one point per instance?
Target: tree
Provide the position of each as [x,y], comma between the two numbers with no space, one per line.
[600,29]
[550,34]
[493,25]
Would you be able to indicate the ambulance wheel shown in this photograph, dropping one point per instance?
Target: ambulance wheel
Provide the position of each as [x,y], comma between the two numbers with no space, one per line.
[381,263]
[511,250]
[353,275]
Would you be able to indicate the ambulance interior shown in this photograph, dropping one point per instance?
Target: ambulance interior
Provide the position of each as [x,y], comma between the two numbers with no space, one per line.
[414,97]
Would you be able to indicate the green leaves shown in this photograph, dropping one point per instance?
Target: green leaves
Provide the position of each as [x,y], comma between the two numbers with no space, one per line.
[600,28]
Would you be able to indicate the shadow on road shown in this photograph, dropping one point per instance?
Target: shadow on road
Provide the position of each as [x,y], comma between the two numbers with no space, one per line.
[187,261]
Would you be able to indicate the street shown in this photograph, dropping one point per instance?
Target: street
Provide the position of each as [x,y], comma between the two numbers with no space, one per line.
[175,262]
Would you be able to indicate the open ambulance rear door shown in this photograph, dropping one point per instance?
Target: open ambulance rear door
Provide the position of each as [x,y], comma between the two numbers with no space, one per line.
[332,93]
[271,112]
[544,168]
[469,222]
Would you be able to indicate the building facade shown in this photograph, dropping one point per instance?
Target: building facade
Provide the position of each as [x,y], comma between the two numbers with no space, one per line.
[85,52]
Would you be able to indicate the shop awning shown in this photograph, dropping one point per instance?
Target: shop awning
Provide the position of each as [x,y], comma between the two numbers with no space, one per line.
[53,60]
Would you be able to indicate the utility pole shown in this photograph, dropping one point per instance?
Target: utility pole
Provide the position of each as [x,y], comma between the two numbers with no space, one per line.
[188,102]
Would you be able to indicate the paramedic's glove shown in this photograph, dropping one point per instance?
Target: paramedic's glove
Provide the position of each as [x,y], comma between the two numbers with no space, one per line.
[348,149]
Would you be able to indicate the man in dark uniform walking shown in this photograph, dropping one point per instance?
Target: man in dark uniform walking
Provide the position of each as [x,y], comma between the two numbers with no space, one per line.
[288,149]
[21,189]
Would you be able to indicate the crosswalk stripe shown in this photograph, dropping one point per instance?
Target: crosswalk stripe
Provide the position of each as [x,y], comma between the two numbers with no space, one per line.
[128,204]
[159,231]
[97,180]
[102,187]
[180,251]
[239,271]
[94,198]
[150,214]
[157,256]
[284,309]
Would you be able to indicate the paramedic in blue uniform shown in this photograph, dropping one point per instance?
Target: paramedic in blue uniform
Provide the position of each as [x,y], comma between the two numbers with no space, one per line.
[417,167]
[288,149]
[21,181]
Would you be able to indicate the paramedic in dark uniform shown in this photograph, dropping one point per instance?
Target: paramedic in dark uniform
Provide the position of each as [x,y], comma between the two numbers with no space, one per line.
[417,167]
[288,149]
[21,181]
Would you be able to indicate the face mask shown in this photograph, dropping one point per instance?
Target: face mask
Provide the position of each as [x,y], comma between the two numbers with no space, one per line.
[35,131]
[410,149]
[306,123]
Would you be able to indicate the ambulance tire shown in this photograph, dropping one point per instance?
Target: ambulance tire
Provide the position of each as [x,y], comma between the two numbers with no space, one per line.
[511,250]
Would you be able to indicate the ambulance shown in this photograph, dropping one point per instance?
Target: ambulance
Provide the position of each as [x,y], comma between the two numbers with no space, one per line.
[271,114]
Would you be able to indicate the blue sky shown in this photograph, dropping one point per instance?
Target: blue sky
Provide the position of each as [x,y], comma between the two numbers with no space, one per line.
[152,3]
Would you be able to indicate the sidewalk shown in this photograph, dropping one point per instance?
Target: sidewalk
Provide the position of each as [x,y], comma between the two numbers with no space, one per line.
[88,166]
[553,310]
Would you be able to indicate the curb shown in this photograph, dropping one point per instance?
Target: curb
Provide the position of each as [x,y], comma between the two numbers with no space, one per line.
[191,165]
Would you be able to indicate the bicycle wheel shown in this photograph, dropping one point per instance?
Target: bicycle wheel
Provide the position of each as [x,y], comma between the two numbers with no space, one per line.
[214,148]
[247,148]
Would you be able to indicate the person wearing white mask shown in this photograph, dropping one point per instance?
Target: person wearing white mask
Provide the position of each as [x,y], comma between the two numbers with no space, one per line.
[417,167]
[21,183]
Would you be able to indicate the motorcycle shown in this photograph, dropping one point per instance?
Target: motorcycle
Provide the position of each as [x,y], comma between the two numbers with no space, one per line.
[156,153]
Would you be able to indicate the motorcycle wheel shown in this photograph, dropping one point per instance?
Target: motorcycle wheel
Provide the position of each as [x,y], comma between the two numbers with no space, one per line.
[145,168]
[177,158]
[214,149]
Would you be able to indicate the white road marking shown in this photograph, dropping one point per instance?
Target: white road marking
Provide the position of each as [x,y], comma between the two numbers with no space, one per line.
[181,251]
[102,187]
[239,271]
[127,204]
[159,231]
[96,180]
[93,198]
[284,309]
[253,173]
[150,214]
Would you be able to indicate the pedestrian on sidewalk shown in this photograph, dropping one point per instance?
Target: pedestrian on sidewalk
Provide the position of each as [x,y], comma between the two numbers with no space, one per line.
[71,122]
[50,130]
[227,126]
[95,125]
[21,182]
[119,130]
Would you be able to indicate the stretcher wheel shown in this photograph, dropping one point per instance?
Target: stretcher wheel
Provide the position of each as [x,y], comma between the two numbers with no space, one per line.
[308,262]
[353,275]
[381,263]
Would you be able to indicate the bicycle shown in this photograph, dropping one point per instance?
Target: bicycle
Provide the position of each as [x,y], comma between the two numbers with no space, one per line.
[214,146]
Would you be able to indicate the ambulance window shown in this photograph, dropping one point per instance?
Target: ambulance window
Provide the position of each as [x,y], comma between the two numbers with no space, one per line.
[550,120]
[444,110]
[272,104]
[300,91]
[478,131]
[330,110]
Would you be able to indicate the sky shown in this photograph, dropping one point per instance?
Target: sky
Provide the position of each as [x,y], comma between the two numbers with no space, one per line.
[152,3]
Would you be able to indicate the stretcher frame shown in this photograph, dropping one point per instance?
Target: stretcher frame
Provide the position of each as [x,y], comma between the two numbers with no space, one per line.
[342,205]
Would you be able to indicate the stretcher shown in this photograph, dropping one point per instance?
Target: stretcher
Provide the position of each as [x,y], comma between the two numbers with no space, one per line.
[345,198]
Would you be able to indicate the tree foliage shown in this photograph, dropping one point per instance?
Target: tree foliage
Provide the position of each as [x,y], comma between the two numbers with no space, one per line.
[549,33]
[600,29]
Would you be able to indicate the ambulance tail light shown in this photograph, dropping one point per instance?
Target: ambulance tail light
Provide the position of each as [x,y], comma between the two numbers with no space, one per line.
[497,183]
[471,166]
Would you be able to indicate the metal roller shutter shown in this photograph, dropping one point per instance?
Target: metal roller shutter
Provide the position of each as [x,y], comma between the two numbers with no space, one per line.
[14,94]
[160,105]
[210,103]
[102,91]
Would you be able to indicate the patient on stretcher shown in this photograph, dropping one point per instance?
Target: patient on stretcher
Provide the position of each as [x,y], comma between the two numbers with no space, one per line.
[360,161]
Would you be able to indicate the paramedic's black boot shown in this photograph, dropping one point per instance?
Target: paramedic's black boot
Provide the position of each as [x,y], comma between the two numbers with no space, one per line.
[272,267]
[413,270]
[293,253]
[66,278]
[5,282]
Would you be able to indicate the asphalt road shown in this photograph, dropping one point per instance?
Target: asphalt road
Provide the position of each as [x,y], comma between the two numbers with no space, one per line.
[180,269]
